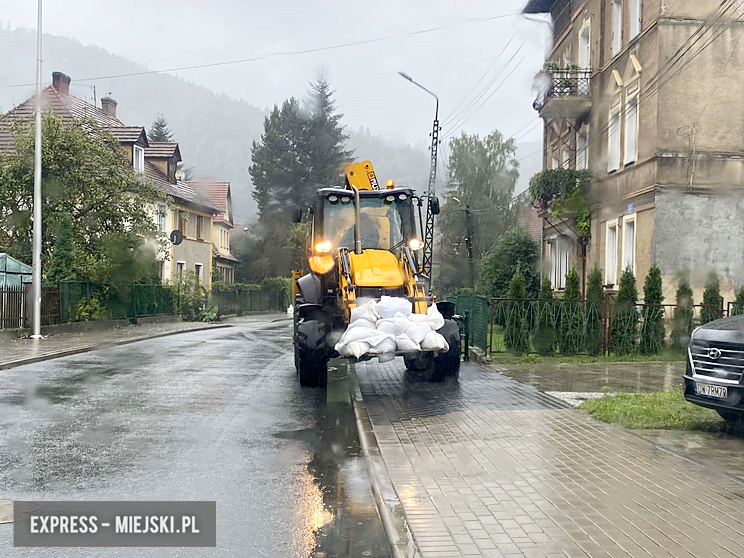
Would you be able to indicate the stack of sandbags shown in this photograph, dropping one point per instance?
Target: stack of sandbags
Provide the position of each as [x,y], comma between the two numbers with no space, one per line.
[389,326]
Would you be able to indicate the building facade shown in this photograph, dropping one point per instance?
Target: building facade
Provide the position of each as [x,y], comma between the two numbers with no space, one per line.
[644,94]
[187,211]
[218,193]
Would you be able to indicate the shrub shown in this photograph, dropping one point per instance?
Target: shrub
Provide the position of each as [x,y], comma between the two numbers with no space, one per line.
[515,248]
[571,328]
[683,316]
[283,284]
[191,295]
[90,310]
[652,330]
[711,299]
[545,320]
[594,311]
[516,332]
[624,327]
[738,306]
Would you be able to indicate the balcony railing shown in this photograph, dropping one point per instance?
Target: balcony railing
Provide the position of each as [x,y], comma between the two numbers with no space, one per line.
[563,84]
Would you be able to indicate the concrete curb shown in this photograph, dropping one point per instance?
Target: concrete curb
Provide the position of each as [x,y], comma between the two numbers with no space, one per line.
[399,536]
[88,348]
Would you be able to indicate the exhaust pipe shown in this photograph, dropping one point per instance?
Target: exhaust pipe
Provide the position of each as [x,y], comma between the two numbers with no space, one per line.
[357,222]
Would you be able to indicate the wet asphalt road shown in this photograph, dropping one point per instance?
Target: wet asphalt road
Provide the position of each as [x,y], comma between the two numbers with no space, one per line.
[214,415]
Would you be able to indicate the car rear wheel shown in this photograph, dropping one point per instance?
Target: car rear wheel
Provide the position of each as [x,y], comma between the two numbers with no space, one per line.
[734,418]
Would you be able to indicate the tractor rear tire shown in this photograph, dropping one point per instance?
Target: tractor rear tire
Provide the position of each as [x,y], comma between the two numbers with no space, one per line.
[311,360]
[446,365]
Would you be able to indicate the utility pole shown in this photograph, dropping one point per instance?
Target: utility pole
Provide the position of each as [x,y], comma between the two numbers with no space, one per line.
[430,193]
[36,333]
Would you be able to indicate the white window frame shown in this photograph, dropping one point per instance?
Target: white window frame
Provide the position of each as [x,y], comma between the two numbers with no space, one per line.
[199,270]
[610,270]
[614,160]
[636,14]
[161,218]
[631,151]
[632,260]
[555,163]
[585,51]
[566,156]
[180,267]
[617,27]
[559,256]
[582,153]
[138,158]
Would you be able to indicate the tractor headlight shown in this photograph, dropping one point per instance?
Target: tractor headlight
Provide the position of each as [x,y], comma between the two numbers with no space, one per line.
[323,247]
[332,198]
[321,264]
[415,244]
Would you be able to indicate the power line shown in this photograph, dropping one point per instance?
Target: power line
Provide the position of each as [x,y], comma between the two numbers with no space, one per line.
[527,131]
[454,110]
[299,51]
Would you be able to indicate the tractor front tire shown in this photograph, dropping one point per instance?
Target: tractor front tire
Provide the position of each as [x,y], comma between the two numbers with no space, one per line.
[446,365]
[311,360]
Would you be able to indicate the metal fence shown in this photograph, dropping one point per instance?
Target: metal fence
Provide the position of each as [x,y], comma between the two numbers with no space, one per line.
[546,327]
[12,307]
[248,301]
[476,309]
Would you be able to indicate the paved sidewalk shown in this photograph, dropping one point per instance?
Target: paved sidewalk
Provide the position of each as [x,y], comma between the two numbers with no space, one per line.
[491,467]
[16,351]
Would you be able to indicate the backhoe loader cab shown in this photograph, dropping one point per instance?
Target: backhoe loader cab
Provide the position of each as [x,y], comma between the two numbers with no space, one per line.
[364,245]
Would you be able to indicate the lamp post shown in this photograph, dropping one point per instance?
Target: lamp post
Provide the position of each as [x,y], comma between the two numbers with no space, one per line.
[429,233]
[36,332]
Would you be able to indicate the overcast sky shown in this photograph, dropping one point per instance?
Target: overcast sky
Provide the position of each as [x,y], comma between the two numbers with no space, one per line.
[166,34]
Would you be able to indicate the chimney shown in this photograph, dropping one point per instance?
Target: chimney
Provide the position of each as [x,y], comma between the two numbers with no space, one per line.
[108,105]
[61,82]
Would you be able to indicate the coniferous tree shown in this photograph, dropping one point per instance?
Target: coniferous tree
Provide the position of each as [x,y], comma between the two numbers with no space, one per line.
[711,299]
[544,338]
[571,329]
[516,332]
[738,306]
[624,328]
[159,130]
[62,265]
[594,311]
[652,331]
[683,315]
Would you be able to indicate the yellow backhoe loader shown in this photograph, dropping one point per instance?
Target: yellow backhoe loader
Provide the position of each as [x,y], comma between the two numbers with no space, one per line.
[364,245]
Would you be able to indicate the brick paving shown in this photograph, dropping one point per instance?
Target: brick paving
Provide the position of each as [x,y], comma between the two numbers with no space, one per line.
[491,467]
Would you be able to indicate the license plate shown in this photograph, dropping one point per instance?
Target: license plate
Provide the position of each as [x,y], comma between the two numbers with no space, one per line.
[708,390]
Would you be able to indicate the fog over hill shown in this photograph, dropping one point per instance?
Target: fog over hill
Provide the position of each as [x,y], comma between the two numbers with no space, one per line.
[215,131]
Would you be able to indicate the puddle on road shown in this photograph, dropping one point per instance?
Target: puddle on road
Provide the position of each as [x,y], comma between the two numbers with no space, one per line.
[336,511]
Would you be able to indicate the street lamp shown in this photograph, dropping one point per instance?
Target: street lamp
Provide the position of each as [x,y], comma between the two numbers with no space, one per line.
[429,233]
[36,332]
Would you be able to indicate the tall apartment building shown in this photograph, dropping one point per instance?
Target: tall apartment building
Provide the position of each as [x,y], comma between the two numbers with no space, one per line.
[646,94]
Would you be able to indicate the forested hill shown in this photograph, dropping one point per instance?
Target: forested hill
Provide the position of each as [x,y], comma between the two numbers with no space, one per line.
[215,131]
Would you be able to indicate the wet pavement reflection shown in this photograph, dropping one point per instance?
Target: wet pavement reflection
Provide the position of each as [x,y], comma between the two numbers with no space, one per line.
[215,415]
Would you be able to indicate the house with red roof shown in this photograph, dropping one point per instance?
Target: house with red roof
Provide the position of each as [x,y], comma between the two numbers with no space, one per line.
[190,212]
[218,193]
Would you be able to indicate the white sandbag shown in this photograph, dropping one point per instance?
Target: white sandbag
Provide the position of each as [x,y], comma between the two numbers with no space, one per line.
[435,317]
[361,322]
[405,344]
[394,326]
[366,311]
[387,345]
[389,306]
[434,342]
[366,334]
[417,332]
[418,318]
[386,357]
[355,349]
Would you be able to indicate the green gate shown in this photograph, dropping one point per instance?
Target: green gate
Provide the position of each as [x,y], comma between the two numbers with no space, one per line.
[477,309]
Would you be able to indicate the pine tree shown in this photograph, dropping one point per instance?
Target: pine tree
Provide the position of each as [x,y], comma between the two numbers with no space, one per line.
[652,330]
[738,307]
[159,130]
[62,266]
[570,331]
[624,328]
[326,135]
[594,311]
[711,299]
[544,338]
[683,315]
[516,331]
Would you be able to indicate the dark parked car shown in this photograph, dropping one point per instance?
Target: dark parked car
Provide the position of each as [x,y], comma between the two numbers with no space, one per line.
[715,363]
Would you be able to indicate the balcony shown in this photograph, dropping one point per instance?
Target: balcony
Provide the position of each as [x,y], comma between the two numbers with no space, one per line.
[563,93]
